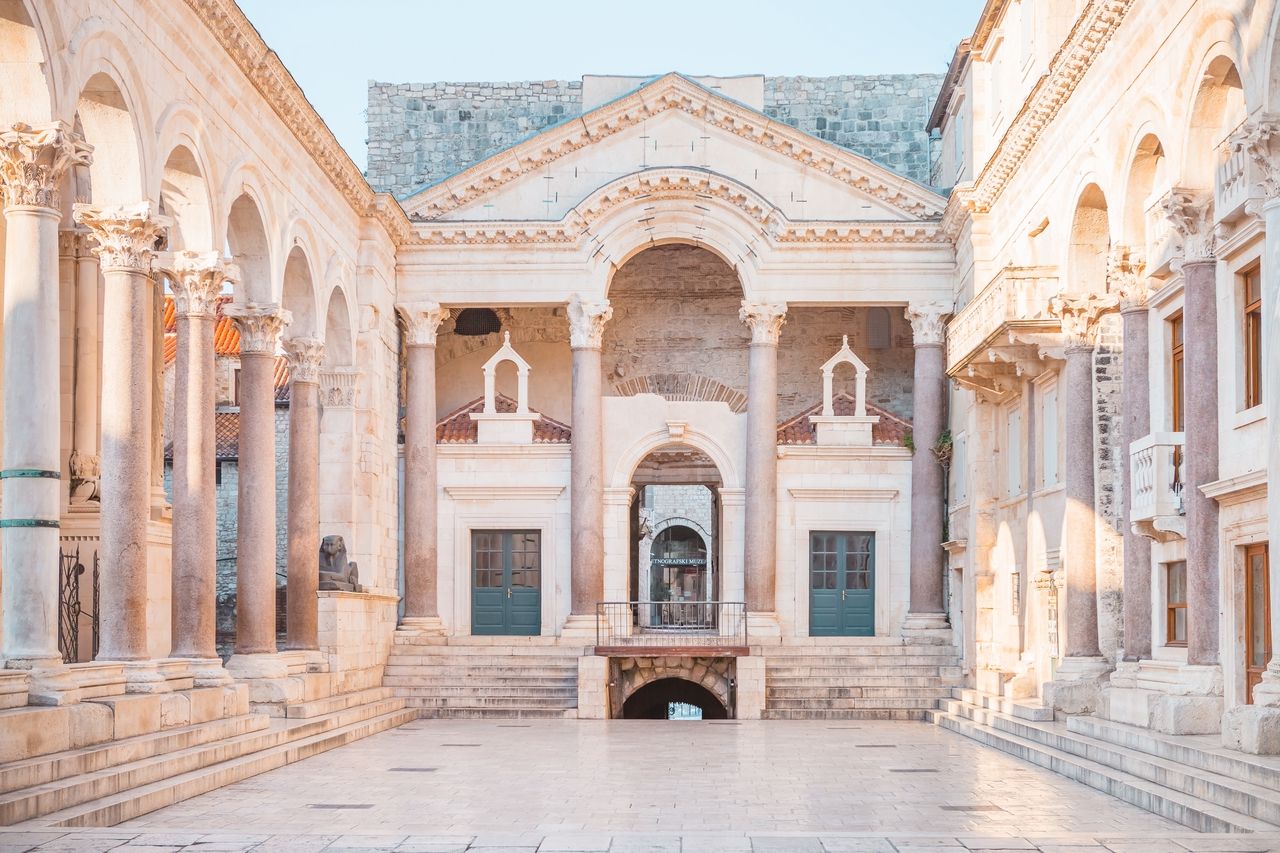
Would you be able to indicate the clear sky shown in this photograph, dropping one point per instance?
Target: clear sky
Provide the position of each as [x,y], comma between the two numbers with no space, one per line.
[334,47]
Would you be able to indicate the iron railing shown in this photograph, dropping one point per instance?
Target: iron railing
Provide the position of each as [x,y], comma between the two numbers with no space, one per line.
[71,610]
[658,624]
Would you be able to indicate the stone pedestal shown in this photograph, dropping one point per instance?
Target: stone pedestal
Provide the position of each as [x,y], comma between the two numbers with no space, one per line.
[1077,685]
[593,687]
[750,687]
[1177,699]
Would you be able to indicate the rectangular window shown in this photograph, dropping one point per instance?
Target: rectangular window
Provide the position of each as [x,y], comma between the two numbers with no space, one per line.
[1253,338]
[1175,372]
[1049,437]
[1175,596]
[1013,452]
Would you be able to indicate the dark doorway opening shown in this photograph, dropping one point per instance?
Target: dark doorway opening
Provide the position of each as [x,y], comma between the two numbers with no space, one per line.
[673,698]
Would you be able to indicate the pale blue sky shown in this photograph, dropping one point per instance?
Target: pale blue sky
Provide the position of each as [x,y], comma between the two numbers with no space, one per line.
[334,47]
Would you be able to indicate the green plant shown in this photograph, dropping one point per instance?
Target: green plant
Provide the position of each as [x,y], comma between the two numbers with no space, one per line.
[943,448]
[909,441]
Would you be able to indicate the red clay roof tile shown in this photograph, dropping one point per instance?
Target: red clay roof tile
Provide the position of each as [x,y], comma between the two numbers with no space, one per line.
[458,428]
[798,430]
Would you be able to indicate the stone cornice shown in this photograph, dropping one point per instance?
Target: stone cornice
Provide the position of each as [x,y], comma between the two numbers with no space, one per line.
[673,92]
[1090,34]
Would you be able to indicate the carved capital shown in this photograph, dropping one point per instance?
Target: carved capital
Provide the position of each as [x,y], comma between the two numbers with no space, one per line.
[305,356]
[1127,279]
[586,322]
[338,387]
[1259,140]
[927,326]
[259,326]
[1079,313]
[422,321]
[126,234]
[765,319]
[196,279]
[73,243]
[1190,212]
[34,159]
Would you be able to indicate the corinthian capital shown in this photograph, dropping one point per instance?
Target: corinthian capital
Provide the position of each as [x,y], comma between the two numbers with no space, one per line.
[765,319]
[34,159]
[305,356]
[126,234]
[586,321]
[1079,313]
[1126,278]
[1190,212]
[1259,140]
[927,327]
[422,321]
[259,326]
[196,279]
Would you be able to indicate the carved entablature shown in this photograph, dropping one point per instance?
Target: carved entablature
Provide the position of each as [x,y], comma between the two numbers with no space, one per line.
[587,320]
[1127,279]
[1190,212]
[305,356]
[260,326]
[1079,313]
[33,161]
[196,279]
[765,319]
[127,235]
[422,321]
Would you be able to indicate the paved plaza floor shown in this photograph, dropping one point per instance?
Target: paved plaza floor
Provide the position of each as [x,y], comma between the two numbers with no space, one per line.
[652,786]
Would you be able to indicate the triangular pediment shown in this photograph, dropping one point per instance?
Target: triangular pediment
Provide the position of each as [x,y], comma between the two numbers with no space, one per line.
[671,123]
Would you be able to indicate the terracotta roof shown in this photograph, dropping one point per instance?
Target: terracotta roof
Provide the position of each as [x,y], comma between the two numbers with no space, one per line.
[458,428]
[226,436]
[226,337]
[798,430]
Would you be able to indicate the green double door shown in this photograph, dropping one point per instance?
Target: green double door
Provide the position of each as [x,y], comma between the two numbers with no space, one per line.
[842,596]
[506,582]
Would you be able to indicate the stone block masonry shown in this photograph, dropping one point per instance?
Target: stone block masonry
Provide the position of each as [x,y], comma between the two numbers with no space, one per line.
[420,133]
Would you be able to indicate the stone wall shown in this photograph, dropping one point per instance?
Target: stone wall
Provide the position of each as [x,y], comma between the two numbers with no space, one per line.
[1109,461]
[420,133]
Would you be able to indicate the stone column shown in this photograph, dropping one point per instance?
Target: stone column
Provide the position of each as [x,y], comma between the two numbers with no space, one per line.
[421,526]
[196,279]
[33,162]
[84,464]
[305,356]
[586,500]
[765,319]
[1075,689]
[126,238]
[1191,214]
[928,609]
[260,327]
[1129,283]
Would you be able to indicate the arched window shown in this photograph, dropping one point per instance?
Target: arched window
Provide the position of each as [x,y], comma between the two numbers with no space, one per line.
[474,322]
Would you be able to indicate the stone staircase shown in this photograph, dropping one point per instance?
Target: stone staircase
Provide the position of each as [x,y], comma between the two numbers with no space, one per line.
[120,779]
[872,678]
[476,677]
[1188,779]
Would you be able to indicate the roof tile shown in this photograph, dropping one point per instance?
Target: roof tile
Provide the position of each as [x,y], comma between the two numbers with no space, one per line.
[457,427]
[799,430]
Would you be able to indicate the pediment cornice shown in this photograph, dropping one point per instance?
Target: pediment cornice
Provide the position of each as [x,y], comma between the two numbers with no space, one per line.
[673,92]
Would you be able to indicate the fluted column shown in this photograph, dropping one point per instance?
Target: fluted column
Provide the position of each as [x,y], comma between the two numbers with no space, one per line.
[84,464]
[765,319]
[587,320]
[33,162]
[1129,283]
[1191,214]
[302,561]
[126,238]
[929,393]
[421,526]
[260,327]
[196,279]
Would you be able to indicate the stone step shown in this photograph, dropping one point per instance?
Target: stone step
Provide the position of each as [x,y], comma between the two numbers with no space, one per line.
[395,667]
[479,701]
[124,778]
[879,651]
[822,661]
[514,664]
[109,811]
[856,692]
[852,673]
[842,704]
[787,681]
[485,650]
[482,690]
[914,714]
[328,705]
[44,769]
[1026,709]
[475,713]
[1105,768]
[427,680]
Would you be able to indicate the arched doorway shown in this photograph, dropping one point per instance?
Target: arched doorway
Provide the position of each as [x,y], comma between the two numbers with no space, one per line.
[673,699]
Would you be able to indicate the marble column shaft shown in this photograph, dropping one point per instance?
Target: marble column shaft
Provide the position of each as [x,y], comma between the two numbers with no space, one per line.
[32,164]
[85,465]
[301,615]
[260,327]
[1078,531]
[1271,399]
[1200,360]
[765,321]
[1135,405]
[929,393]
[126,239]
[586,484]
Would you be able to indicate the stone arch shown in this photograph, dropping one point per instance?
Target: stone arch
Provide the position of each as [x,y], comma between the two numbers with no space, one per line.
[105,114]
[184,197]
[27,90]
[630,459]
[299,294]
[681,521]
[1147,176]
[715,676]
[248,247]
[677,387]
[1090,242]
[1217,108]
[337,331]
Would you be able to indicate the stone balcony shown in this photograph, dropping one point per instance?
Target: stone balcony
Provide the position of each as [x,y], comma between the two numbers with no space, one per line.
[1236,184]
[1155,469]
[1005,333]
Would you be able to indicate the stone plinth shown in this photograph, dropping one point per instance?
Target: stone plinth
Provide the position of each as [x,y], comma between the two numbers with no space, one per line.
[750,687]
[504,428]
[836,431]
[355,633]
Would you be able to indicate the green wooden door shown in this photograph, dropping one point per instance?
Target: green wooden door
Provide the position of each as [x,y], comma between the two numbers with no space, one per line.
[506,582]
[842,600]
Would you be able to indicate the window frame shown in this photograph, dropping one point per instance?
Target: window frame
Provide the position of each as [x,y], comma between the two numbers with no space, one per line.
[1171,607]
[1251,333]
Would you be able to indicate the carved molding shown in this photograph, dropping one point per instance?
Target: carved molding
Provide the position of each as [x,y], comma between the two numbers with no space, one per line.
[587,320]
[305,356]
[259,326]
[422,321]
[196,279]
[1190,212]
[126,234]
[1126,278]
[34,159]
[1079,313]
[764,319]
[338,387]
[928,328]
[1259,139]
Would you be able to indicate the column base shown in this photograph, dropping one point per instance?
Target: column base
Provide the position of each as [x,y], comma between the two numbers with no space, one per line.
[50,682]
[580,627]
[273,682]
[1255,728]
[1176,699]
[1077,685]
[422,625]
[209,672]
[146,676]
[763,626]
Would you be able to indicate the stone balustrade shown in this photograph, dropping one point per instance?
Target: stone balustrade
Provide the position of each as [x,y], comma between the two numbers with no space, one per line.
[1155,465]
[1017,296]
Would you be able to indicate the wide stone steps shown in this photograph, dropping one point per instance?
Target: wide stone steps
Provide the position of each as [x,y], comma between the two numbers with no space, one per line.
[494,713]
[854,674]
[1198,786]
[511,702]
[497,670]
[869,662]
[150,774]
[913,714]
[514,682]
[859,692]
[842,704]
[947,684]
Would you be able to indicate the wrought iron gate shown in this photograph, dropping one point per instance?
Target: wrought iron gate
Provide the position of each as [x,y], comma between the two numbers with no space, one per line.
[71,608]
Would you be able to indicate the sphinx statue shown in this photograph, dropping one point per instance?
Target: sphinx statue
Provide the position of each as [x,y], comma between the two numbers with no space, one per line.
[336,572]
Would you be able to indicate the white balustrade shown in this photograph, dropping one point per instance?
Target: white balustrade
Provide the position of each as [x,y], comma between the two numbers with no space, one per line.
[1015,295]
[1156,477]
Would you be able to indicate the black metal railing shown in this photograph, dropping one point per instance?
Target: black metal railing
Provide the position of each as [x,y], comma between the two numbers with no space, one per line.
[656,624]
[72,614]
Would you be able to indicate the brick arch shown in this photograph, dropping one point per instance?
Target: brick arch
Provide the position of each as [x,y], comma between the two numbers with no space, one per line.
[631,674]
[683,387]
